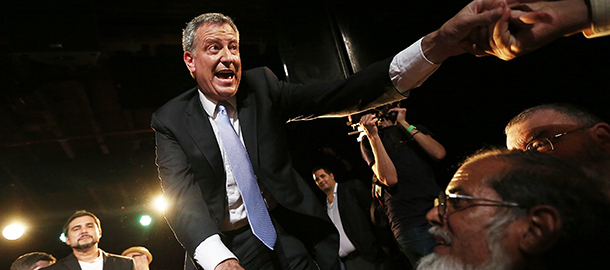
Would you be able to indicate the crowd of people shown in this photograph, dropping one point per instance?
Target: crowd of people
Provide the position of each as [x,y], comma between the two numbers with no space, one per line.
[237,202]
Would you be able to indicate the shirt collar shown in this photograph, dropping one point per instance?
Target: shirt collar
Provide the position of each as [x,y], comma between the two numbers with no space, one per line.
[210,105]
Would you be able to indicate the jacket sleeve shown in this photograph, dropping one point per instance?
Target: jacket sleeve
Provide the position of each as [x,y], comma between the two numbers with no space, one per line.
[187,212]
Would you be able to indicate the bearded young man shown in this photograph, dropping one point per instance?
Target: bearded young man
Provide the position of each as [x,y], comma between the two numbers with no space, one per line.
[83,231]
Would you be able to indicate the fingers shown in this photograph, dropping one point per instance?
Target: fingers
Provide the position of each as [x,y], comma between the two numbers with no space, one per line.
[534,17]
[502,40]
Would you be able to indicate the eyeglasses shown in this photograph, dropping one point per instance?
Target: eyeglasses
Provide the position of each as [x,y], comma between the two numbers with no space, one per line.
[441,202]
[546,144]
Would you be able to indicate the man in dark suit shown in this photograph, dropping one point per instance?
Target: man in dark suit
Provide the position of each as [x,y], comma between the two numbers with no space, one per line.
[83,232]
[348,206]
[207,210]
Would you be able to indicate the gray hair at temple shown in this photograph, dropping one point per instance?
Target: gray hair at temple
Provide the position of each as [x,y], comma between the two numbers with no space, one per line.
[578,114]
[28,261]
[189,34]
[532,179]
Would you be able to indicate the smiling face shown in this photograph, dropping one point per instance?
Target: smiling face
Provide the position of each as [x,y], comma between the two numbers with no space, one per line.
[463,231]
[325,181]
[83,233]
[215,62]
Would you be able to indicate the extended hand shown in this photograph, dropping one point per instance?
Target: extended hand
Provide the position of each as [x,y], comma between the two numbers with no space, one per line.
[533,25]
[453,37]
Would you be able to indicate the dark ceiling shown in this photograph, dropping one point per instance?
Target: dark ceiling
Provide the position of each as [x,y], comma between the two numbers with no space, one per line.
[78,83]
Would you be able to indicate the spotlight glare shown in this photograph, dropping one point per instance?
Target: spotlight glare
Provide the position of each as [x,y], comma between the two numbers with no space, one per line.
[145,220]
[62,237]
[13,231]
[160,203]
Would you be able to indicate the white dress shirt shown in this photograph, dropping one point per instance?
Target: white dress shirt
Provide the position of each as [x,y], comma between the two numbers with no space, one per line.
[408,69]
[97,264]
[345,245]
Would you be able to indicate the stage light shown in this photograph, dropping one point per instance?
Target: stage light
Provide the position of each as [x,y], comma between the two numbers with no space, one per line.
[13,231]
[160,203]
[62,237]
[145,220]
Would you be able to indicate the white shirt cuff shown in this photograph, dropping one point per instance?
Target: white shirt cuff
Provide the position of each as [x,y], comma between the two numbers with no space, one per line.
[410,68]
[600,11]
[211,252]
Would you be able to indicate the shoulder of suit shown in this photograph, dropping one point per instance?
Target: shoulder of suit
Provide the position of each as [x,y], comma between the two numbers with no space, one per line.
[257,73]
[180,100]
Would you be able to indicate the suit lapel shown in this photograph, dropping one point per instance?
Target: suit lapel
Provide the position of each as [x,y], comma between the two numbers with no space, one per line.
[246,109]
[107,265]
[71,262]
[200,129]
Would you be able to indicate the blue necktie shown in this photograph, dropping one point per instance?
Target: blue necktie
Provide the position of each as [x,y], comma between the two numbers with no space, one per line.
[258,216]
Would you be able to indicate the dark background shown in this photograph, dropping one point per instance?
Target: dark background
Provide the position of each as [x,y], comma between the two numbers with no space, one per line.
[78,83]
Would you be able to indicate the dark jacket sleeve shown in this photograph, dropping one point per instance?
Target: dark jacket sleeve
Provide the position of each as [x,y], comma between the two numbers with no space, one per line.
[187,212]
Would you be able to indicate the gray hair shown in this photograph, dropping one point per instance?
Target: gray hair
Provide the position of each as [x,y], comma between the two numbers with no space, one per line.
[189,34]
[578,114]
[533,179]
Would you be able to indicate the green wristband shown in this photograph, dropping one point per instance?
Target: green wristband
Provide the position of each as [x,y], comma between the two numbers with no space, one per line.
[411,127]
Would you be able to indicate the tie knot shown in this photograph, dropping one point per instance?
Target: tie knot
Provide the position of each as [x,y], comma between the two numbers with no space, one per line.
[222,109]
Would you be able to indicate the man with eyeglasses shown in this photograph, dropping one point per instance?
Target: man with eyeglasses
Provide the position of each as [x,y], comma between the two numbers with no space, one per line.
[563,130]
[508,209]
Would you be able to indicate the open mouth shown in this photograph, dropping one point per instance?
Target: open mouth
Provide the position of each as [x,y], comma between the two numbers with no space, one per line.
[440,236]
[225,74]
[440,241]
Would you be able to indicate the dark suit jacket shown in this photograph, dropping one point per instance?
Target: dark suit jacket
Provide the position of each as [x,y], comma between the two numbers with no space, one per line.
[190,164]
[111,262]
[354,202]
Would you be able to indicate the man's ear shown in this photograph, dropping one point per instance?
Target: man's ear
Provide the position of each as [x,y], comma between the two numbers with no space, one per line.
[544,228]
[189,60]
[601,133]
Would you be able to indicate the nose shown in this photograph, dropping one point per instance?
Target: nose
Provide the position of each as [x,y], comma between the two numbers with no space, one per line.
[228,56]
[434,217]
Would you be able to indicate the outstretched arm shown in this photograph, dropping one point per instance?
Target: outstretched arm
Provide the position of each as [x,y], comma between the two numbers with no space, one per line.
[454,37]
[383,167]
[433,148]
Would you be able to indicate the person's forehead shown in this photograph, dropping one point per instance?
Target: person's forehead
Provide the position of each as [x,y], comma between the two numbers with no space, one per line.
[545,118]
[319,172]
[218,30]
[470,178]
[543,123]
[135,253]
[81,221]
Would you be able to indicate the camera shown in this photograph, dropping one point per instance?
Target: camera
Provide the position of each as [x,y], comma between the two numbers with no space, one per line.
[381,112]
[387,115]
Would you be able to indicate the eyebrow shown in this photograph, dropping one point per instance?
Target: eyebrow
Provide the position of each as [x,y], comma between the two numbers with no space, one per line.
[539,134]
[455,190]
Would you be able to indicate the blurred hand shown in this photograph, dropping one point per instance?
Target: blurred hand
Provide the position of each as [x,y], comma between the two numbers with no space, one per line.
[531,25]
[454,37]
